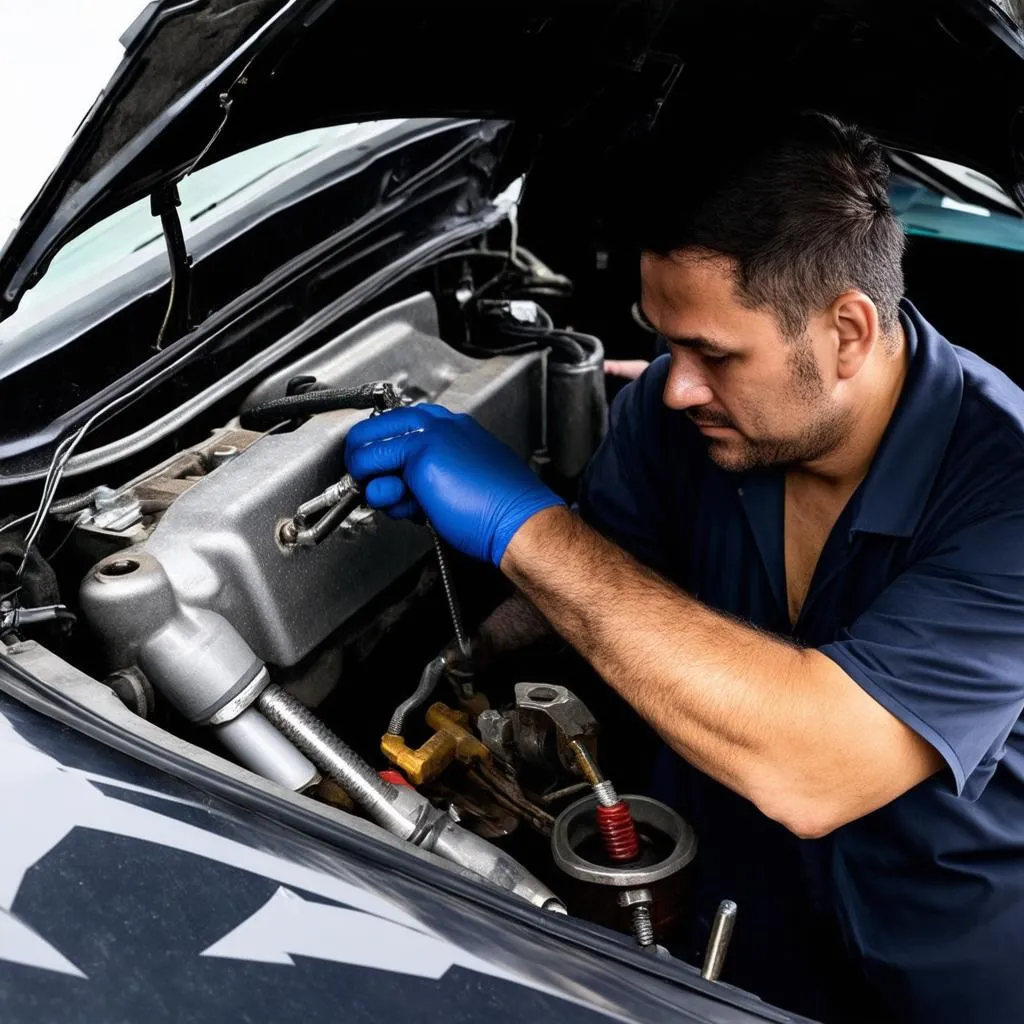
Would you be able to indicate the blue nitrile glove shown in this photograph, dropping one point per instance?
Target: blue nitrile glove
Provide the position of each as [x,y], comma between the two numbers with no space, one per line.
[474,489]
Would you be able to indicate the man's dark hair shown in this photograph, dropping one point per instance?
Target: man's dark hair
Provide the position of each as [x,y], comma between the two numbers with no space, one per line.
[800,203]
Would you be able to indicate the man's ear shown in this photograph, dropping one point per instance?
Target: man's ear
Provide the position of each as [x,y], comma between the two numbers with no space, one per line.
[854,319]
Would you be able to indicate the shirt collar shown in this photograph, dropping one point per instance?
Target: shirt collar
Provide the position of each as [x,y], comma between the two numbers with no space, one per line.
[893,495]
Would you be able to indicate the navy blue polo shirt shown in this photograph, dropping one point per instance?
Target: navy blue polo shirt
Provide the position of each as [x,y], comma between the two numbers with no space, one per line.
[915,912]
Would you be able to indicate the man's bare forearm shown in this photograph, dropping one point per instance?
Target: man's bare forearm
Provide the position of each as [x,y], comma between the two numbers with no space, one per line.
[785,727]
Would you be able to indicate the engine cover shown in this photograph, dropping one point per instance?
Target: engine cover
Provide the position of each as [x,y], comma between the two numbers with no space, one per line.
[212,591]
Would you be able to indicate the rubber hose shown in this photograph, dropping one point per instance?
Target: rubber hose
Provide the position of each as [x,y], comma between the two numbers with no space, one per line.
[268,414]
[428,683]
[76,503]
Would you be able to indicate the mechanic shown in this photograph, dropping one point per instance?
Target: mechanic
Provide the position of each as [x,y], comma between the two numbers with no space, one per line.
[799,554]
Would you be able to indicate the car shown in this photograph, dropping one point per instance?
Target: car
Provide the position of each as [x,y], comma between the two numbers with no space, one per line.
[253,766]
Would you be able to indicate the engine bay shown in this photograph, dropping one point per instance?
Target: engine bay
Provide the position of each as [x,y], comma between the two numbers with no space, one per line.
[240,596]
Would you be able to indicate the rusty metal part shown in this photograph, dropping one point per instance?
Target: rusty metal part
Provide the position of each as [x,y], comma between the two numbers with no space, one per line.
[497,731]
[451,741]
[482,812]
[507,792]
[576,789]
[330,792]
[585,763]
[548,719]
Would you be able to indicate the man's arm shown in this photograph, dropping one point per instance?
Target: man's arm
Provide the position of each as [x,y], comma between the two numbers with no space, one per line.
[785,727]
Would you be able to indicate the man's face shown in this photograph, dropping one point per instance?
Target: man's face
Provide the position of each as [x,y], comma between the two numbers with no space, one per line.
[759,398]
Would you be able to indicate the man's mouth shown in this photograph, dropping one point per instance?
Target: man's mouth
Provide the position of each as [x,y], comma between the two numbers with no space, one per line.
[710,421]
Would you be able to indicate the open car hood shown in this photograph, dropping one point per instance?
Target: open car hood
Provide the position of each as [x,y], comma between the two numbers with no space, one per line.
[202,79]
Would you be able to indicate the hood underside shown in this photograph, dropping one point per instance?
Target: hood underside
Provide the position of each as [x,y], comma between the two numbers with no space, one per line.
[203,79]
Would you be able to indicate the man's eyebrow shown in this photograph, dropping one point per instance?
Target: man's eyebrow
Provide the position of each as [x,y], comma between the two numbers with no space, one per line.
[701,344]
[706,345]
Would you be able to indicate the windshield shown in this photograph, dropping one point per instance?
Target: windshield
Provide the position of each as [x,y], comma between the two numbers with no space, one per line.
[993,220]
[132,236]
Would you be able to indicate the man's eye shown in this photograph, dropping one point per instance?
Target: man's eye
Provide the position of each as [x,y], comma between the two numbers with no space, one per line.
[718,360]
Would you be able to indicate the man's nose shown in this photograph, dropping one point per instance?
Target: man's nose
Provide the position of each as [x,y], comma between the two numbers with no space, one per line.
[686,386]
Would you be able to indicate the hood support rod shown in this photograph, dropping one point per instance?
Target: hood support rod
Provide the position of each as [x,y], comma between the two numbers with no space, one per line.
[164,203]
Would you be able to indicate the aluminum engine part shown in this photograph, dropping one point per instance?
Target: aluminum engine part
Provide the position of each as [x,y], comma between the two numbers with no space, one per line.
[214,562]
[262,749]
[191,654]
[114,520]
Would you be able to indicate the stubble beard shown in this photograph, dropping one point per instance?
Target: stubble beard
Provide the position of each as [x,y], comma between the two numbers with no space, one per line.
[827,428]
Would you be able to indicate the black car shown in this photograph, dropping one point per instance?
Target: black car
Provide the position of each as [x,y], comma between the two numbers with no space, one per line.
[253,768]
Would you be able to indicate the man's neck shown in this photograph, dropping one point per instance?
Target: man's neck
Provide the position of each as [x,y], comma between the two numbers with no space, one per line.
[845,467]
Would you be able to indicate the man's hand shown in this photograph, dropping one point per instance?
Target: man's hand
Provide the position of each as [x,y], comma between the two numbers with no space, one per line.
[627,369]
[474,489]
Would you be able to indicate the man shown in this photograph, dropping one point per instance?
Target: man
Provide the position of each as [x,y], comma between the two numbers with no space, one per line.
[799,554]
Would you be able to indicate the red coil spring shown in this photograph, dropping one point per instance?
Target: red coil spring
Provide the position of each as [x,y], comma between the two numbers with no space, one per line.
[618,830]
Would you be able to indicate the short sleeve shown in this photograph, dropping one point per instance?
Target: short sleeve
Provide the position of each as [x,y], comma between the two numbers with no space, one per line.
[942,647]
[623,493]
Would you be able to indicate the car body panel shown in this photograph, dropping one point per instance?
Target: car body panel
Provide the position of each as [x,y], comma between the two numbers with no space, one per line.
[203,79]
[126,893]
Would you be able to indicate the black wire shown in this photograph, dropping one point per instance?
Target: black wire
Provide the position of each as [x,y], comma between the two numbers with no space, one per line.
[268,414]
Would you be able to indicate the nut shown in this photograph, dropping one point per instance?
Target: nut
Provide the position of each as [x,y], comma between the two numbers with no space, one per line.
[635,898]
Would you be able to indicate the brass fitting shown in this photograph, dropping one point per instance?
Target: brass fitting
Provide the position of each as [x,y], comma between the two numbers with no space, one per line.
[451,741]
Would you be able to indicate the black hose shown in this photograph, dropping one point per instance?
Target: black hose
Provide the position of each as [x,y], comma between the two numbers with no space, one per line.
[268,414]
[76,503]
[428,683]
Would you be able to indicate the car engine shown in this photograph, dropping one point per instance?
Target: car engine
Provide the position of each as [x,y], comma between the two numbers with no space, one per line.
[241,595]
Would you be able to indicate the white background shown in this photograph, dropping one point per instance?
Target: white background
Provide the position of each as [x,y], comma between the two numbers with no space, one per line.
[55,58]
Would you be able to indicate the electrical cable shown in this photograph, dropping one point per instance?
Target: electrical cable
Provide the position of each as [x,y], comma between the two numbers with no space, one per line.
[62,455]
[317,399]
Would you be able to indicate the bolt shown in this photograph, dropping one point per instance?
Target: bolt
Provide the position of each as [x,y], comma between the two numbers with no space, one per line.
[605,793]
[638,902]
[223,454]
[288,534]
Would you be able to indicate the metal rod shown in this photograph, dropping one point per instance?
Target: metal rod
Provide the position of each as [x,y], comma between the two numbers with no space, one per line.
[718,944]
[585,762]
[334,757]
[402,811]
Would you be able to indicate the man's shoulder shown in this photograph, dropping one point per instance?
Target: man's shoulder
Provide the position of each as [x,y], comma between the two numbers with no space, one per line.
[982,474]
[992,408]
